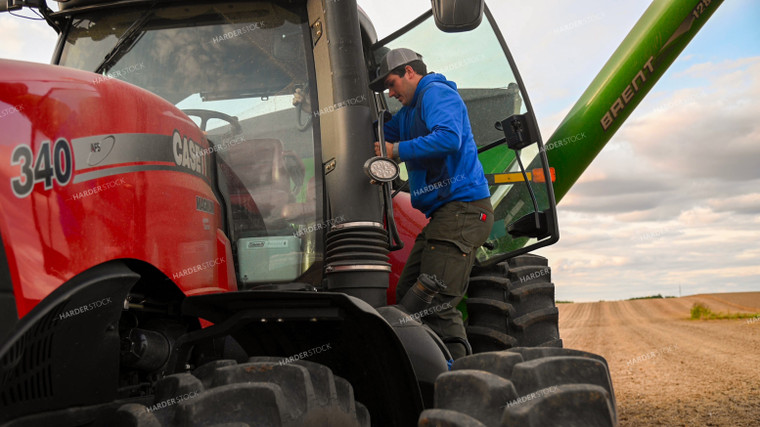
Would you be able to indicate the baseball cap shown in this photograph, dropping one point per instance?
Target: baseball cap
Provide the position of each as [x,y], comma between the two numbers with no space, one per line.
[391,60]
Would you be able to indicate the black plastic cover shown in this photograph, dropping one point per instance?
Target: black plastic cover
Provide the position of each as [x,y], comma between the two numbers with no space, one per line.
[453,16]
[364,349]
[518,130]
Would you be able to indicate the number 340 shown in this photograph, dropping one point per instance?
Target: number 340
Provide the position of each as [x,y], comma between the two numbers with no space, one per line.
[49,165]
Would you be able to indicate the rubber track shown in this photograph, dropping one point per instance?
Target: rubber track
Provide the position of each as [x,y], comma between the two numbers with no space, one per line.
[542,386]
[513,298]
[260,392]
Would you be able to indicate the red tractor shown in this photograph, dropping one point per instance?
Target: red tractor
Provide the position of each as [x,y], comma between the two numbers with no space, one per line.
[181,245]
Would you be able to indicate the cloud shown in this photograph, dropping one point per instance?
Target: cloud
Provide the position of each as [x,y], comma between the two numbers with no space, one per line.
[9,28]
[602,257]
[673,199]
[24,40]
[715,134]
[743,204]
[700,216]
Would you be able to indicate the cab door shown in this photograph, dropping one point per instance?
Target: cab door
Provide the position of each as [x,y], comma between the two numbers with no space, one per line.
[503,124]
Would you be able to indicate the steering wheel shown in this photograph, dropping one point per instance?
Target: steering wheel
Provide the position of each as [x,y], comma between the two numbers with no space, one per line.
[205,115]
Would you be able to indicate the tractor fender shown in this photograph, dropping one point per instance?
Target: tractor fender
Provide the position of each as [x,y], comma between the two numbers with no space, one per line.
[65,351]
[334,329]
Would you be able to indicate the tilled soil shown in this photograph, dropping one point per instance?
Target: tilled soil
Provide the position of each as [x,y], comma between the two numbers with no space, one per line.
[669,370]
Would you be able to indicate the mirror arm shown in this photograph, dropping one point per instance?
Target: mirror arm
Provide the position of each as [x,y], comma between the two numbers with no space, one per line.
[530,190]
[491,145]
[40,5]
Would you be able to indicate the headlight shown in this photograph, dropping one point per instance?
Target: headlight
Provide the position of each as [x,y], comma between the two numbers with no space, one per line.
[381,169]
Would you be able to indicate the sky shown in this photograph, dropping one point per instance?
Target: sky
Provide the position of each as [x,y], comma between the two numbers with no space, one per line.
[672,204]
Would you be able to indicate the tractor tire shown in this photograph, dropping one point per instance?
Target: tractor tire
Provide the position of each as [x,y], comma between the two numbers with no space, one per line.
[262,392]
[524,387]
[511,304]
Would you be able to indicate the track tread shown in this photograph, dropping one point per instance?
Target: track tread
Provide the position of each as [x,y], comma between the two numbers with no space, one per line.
[224,404]
[524,276]
[533,289]
[490,281]
[134,414]
[550,386]
[345,393]
[545,314]
[177,385]
[499,363]
[532,353]
[262,391]
[533,375]
[447,418]
[475,393]
[527,260]
[521,309]
[499,306]
[566,405]
[484,337]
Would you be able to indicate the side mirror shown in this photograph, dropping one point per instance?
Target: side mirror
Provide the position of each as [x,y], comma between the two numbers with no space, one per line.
[454,16]
[6,5]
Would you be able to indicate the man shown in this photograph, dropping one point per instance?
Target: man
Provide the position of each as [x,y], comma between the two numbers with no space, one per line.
[432,134]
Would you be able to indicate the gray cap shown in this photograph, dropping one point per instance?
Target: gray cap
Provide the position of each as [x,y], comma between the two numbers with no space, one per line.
[391,60]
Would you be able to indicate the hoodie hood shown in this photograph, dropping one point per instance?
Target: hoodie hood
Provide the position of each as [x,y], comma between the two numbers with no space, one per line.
[427,80]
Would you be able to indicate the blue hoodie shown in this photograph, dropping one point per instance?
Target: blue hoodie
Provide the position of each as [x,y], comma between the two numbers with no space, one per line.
[437,146]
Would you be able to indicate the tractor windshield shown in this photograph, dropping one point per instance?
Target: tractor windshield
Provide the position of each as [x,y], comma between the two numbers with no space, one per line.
[236,70]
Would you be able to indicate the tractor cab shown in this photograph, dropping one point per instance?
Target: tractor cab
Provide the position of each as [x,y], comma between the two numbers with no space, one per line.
[233,68]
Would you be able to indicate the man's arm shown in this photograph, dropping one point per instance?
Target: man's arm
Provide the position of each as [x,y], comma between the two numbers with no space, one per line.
[442,111]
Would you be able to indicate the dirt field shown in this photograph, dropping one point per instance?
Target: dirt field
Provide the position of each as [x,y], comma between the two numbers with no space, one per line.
[669,370]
